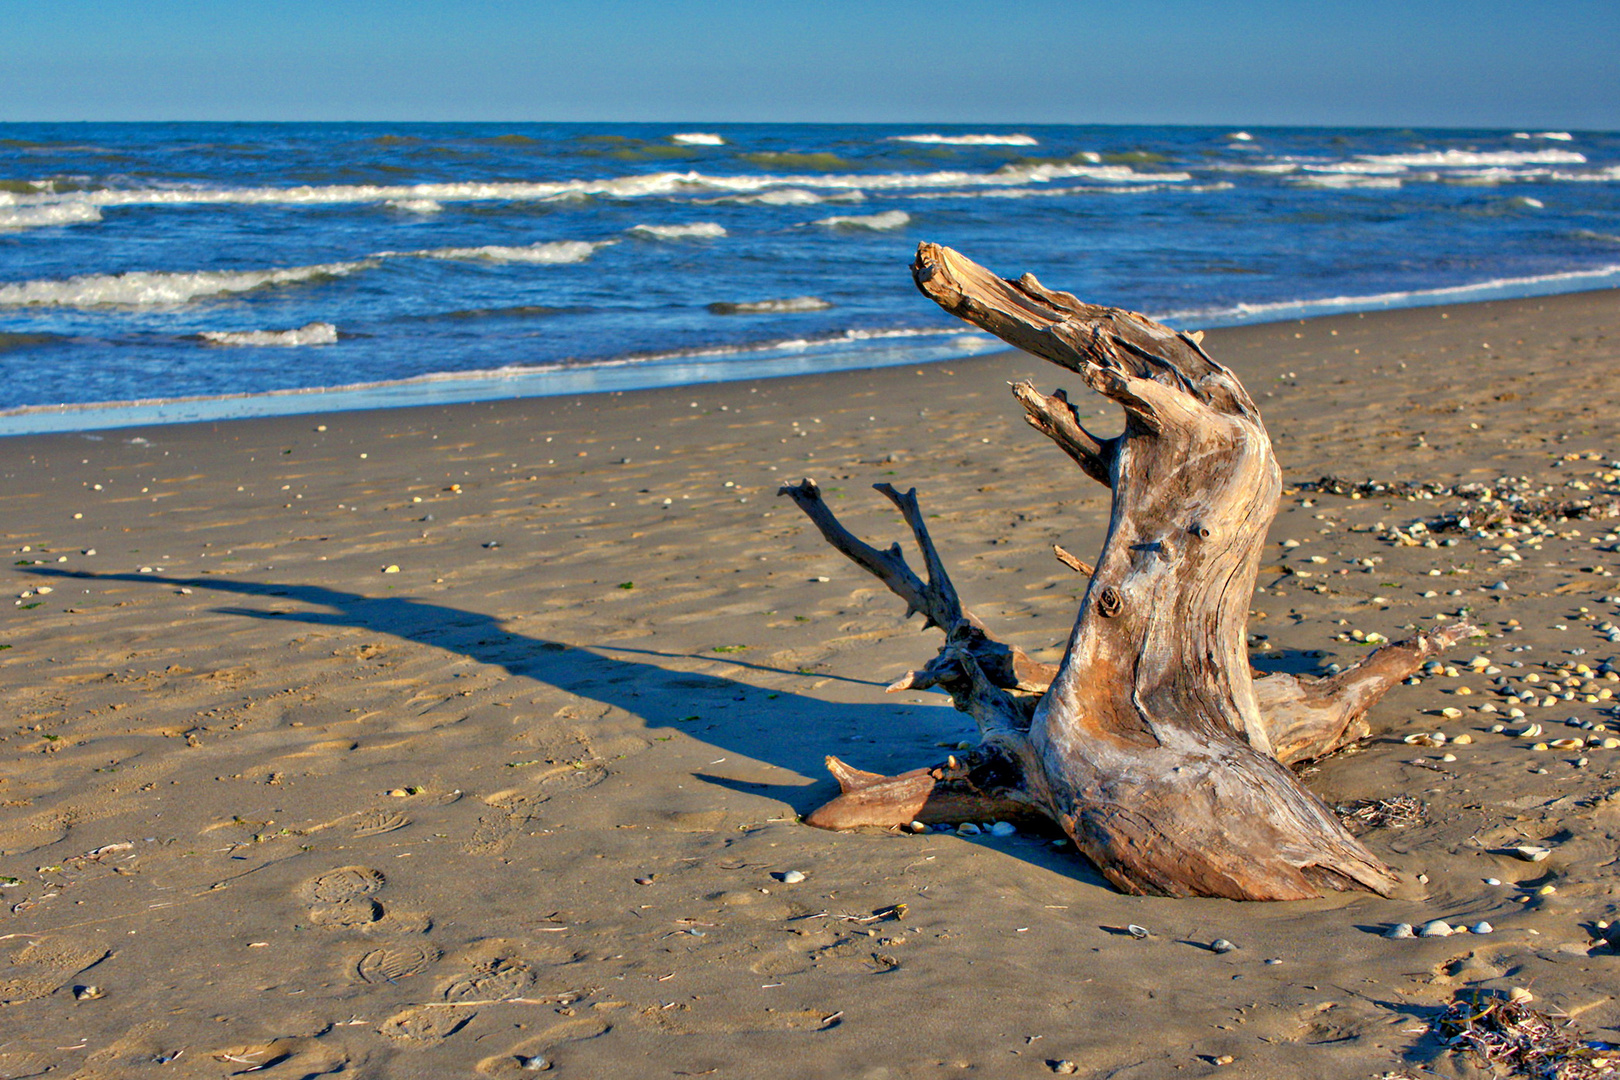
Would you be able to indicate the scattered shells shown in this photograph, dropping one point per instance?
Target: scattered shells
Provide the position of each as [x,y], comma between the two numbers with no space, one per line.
[1530,732]
[1532,852]
[1399,930]
[1423,738]
[1463,740]
[1003,828]
[1137,932]
[87,993]
[917,827]
[1520,996]
[967,828]
[1221,945]
[1568,744]
[1436,928]
[391,568]
[1451,712]
[1482,928]
[537,1063]
[790,877]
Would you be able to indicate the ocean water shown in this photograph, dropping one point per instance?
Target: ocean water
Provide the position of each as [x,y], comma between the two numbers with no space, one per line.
[179,271]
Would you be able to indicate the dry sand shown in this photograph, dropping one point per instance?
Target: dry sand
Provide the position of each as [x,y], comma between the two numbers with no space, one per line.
[530,795]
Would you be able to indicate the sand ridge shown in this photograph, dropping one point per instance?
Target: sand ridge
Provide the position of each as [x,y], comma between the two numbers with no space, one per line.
[441,741]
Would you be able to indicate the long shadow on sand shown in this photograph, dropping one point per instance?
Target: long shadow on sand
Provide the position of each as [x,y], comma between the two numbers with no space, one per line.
[789,730]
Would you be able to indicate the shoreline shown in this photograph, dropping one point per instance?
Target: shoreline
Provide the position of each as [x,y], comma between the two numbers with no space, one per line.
[851,351]
[431,740]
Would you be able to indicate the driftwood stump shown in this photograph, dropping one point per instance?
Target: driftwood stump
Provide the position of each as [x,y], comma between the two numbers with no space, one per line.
[1151,744]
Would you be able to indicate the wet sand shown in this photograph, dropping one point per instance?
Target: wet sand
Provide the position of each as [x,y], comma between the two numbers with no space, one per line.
[436,742]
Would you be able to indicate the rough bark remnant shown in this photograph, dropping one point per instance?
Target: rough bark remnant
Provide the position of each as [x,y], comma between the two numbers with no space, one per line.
[1152,744]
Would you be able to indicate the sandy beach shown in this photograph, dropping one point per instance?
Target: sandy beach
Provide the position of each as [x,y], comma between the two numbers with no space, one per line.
[470,740]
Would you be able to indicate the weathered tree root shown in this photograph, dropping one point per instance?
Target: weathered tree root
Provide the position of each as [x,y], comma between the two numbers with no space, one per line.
[1152,745]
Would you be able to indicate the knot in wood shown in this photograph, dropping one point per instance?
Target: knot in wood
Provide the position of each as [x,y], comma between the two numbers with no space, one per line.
[1199,530]
[1110,603]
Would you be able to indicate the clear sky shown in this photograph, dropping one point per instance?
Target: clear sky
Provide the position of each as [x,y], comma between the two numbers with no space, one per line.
[1452,63]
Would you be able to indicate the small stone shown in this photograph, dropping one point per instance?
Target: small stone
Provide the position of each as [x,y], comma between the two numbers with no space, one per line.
[536,1063]
[398,793]
[917,827]
[1064,1068]
[1003,828]
[1482,928]
[1435,928]
[1532,853]
[790,877]
[967,828]
[390,569]
[1463,740]
[1546,890]
[1399,930]
[1493,881]
[87,993]
[1221,945]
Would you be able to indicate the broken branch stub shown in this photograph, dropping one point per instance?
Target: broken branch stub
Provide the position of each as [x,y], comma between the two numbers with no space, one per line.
[1152,744]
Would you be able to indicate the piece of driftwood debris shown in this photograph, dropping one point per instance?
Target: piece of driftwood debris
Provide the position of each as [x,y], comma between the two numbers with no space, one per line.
[1152,744]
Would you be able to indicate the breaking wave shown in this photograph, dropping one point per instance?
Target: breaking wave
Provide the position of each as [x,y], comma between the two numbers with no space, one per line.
[696,138]
[699,230]
[151,289]
[316,333]
[39,217]
[772,307]
[554,252]
[889,219]
[967,140]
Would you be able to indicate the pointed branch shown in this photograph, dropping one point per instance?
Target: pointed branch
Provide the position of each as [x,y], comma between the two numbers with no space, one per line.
[1054,417]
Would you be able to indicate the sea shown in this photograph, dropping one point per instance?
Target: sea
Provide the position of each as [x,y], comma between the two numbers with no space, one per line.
[159,272]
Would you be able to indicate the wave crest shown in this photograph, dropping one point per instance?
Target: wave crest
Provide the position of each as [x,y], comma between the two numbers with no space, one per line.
[315,333]
[698,230]
[142,288]
[889,219]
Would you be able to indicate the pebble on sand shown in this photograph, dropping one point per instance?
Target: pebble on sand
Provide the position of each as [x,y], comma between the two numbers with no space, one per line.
[790,877]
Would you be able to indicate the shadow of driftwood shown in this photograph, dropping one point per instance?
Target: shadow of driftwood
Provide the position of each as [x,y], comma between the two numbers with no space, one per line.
[792,731]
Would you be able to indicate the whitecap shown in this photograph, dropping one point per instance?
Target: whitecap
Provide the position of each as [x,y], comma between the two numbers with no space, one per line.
[556,252]
[1559,136]
[967,140]
[889,219]
[1241,136]
[316,333]
[1344,180]
[39,217]
[157,289]
[772,307]
[696,138]
[415,206]
[1455,159]
[698,230]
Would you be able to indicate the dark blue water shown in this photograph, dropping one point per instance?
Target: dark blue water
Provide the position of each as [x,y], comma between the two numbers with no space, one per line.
[444,261]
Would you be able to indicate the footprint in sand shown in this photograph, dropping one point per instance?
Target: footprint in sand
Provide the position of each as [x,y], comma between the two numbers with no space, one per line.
[541,1051]
[422,1026]
[379,821]
[343,897]
[428,1024]
[41,966]
[394,962]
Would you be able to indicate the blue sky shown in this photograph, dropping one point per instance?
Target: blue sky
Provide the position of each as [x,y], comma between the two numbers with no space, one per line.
[1486,63]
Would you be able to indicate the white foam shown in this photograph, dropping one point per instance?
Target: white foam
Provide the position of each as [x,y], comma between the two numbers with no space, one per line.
[889,219]
[316,333]
[1560,136]
[1601,176]
[967,140]
[1456,159]
[1241,136]
[416,206]
[40,217]
[772,307]
[555,252]
[696,138]
[1339,181]
[698,230]
[153,289]
[651,185]
[1496,288]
